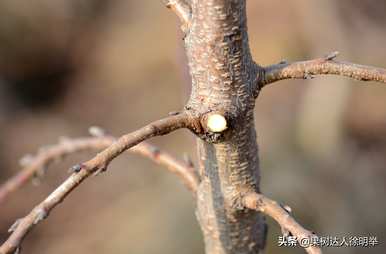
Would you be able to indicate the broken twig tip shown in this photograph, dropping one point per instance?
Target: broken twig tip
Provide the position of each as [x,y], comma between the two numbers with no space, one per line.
[284,61]
[18,250]
[287,208]
[308,76]
[174,113]
[167,4]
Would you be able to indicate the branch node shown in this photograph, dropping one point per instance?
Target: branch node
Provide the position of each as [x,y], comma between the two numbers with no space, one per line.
[252,201]
[331,56]
[76,168]
[14,226]
[41,215]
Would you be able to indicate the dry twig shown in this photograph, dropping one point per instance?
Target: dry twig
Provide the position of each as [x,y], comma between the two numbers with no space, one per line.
[33,164]
[270,207]
[69,146]
[321,66]
[184,170]
[181,8]
[81,171]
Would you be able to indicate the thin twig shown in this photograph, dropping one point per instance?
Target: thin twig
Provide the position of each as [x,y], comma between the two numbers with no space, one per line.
[82,171]
[322,66]
[68,146]
[184,170]
[182,10]
[45,156]
[270,207]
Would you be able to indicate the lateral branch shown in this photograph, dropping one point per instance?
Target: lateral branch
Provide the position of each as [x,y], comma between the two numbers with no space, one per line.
[261,203]
[82,171]
[322,66]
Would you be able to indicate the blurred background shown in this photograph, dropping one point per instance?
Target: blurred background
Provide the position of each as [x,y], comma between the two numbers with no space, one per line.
[68,64]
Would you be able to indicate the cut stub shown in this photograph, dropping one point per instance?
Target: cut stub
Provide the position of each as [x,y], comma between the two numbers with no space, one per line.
[216,123]
[213,127]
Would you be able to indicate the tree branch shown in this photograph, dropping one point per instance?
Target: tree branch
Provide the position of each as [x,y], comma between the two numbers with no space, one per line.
[265,205]
[321,66]
[182,9]
[82,171]
[34,164]
[184,170]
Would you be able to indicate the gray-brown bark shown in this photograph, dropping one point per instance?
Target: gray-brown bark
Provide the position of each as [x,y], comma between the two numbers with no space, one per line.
[225,83]
[223,80]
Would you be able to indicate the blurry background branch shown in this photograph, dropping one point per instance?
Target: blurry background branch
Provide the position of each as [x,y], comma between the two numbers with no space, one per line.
[182,10]
[82,171]
[34,164]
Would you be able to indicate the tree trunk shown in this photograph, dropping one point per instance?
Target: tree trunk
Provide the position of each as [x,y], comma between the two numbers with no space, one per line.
[224,78]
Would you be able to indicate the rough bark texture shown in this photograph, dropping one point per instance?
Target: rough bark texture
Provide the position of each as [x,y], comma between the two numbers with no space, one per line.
[224,79]
[225,83]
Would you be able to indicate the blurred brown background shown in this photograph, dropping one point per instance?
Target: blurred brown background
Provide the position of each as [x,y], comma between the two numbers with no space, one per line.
[68,64]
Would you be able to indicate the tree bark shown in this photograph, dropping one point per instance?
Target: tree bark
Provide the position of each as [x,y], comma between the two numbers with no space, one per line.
[225,84]
[224,79]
